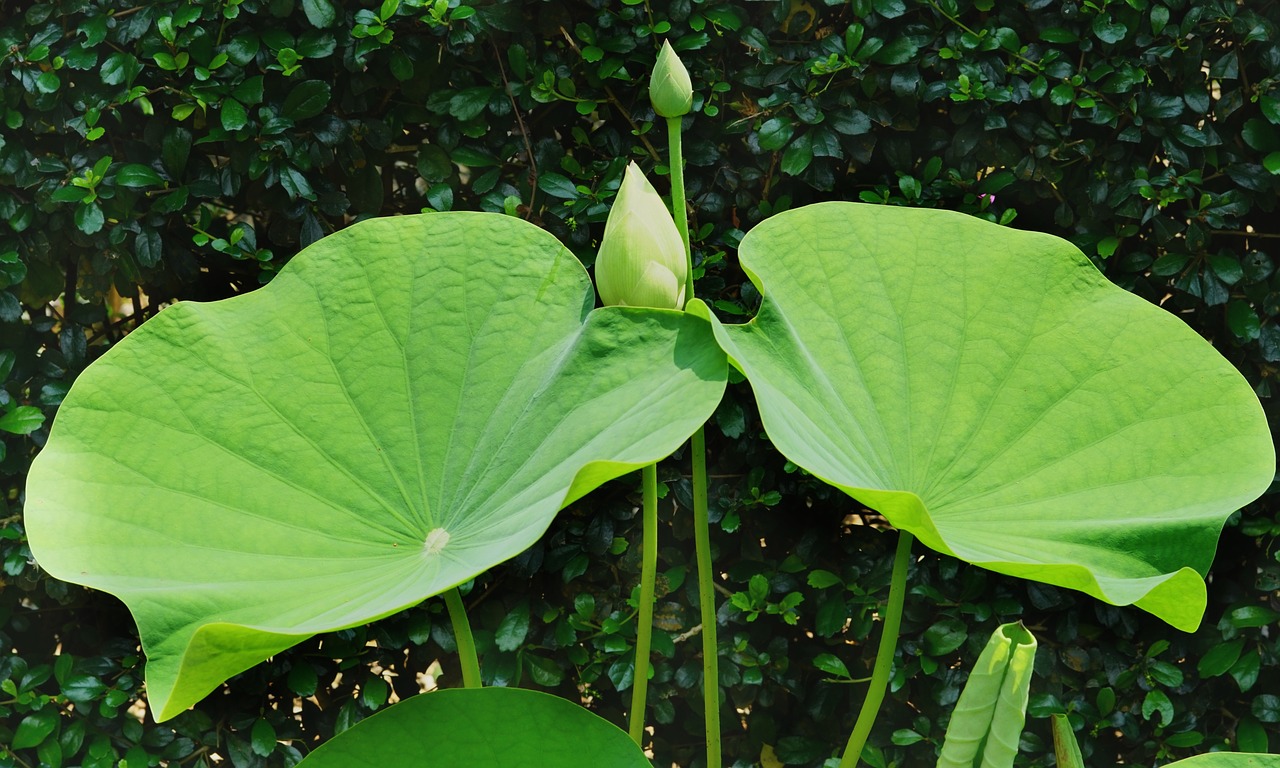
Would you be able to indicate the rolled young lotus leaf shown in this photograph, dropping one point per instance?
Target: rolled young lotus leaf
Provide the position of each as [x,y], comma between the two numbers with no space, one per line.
[408,403]
[988,390]
[986,723]
[1066,749]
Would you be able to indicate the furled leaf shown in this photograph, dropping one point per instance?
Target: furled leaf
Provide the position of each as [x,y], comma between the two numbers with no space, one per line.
[1065,747]
[481,727]
[987,722]
[989,391]
[408,403]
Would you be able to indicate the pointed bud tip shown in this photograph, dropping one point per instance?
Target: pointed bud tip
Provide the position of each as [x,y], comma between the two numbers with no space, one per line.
[670,88]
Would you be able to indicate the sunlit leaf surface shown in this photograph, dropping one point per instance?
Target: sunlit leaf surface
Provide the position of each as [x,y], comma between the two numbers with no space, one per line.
[991,392]
[407,404]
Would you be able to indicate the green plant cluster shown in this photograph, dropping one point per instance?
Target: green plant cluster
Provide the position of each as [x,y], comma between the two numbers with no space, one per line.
[155,152]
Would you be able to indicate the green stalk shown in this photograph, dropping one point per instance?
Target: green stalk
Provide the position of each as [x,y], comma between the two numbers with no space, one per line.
[462,636]
[648,579]
[884,655]
[701,524]
[706,600]
[679,209]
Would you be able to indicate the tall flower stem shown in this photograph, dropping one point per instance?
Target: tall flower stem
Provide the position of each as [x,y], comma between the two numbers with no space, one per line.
[884,654]
[679,209]
[701,523]
[462,636]
[706,600]
[648,578]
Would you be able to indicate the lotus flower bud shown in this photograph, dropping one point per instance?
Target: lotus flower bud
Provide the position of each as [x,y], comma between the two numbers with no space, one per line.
[641,261]
[670,89]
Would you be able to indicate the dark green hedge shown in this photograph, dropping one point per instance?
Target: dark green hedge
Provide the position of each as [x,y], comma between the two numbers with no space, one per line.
[154,152]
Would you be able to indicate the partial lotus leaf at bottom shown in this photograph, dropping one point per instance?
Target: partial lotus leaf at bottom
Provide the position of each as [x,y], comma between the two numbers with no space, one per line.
[1227,760]
[988,390]
[1067,751]
[408,403]
[479,728]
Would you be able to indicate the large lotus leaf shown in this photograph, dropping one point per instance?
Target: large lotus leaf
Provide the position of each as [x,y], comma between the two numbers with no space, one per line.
[481,727]
[989,391]
[408,403]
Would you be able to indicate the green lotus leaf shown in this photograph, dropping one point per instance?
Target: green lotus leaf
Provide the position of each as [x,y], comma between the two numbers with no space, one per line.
[1067,750]
[1227,760]
[989,391]
[408,403]
[481,727]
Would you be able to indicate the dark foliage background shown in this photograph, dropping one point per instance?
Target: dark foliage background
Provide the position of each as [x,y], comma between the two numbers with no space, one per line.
[166,151]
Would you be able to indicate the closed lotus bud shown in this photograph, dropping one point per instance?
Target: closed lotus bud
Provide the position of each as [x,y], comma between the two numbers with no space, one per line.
[670,89]
[641,261]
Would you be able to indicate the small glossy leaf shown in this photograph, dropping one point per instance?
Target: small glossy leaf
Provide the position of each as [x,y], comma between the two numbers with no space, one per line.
[945,636]
[319,12]
[1218,659]
[481,727]
[22,420]
[89,218]
[821,579]
[513,629]
[831,665]
[406,404]
[307,99]
[775,133]
[1251,736]
[263,738]
[905,737]
[1157,703]
[1246,669]
[989,391]
[35,727]
[138,175]
[1266,707]
[1252,616]
[233,115]
[986,724]
[303,679]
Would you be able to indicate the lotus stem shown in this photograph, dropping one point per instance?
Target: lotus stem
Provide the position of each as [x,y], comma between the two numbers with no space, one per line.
[644,627]
[706,600]
[884,655]
[462,636]
[679,210]
[701,523]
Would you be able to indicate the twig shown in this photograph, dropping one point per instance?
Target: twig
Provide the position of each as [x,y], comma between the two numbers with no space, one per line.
[524,133]
[680,638]
[15,757]
[1240,233]
[617,104]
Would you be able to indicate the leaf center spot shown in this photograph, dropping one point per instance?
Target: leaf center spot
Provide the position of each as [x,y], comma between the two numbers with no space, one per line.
[435,541]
